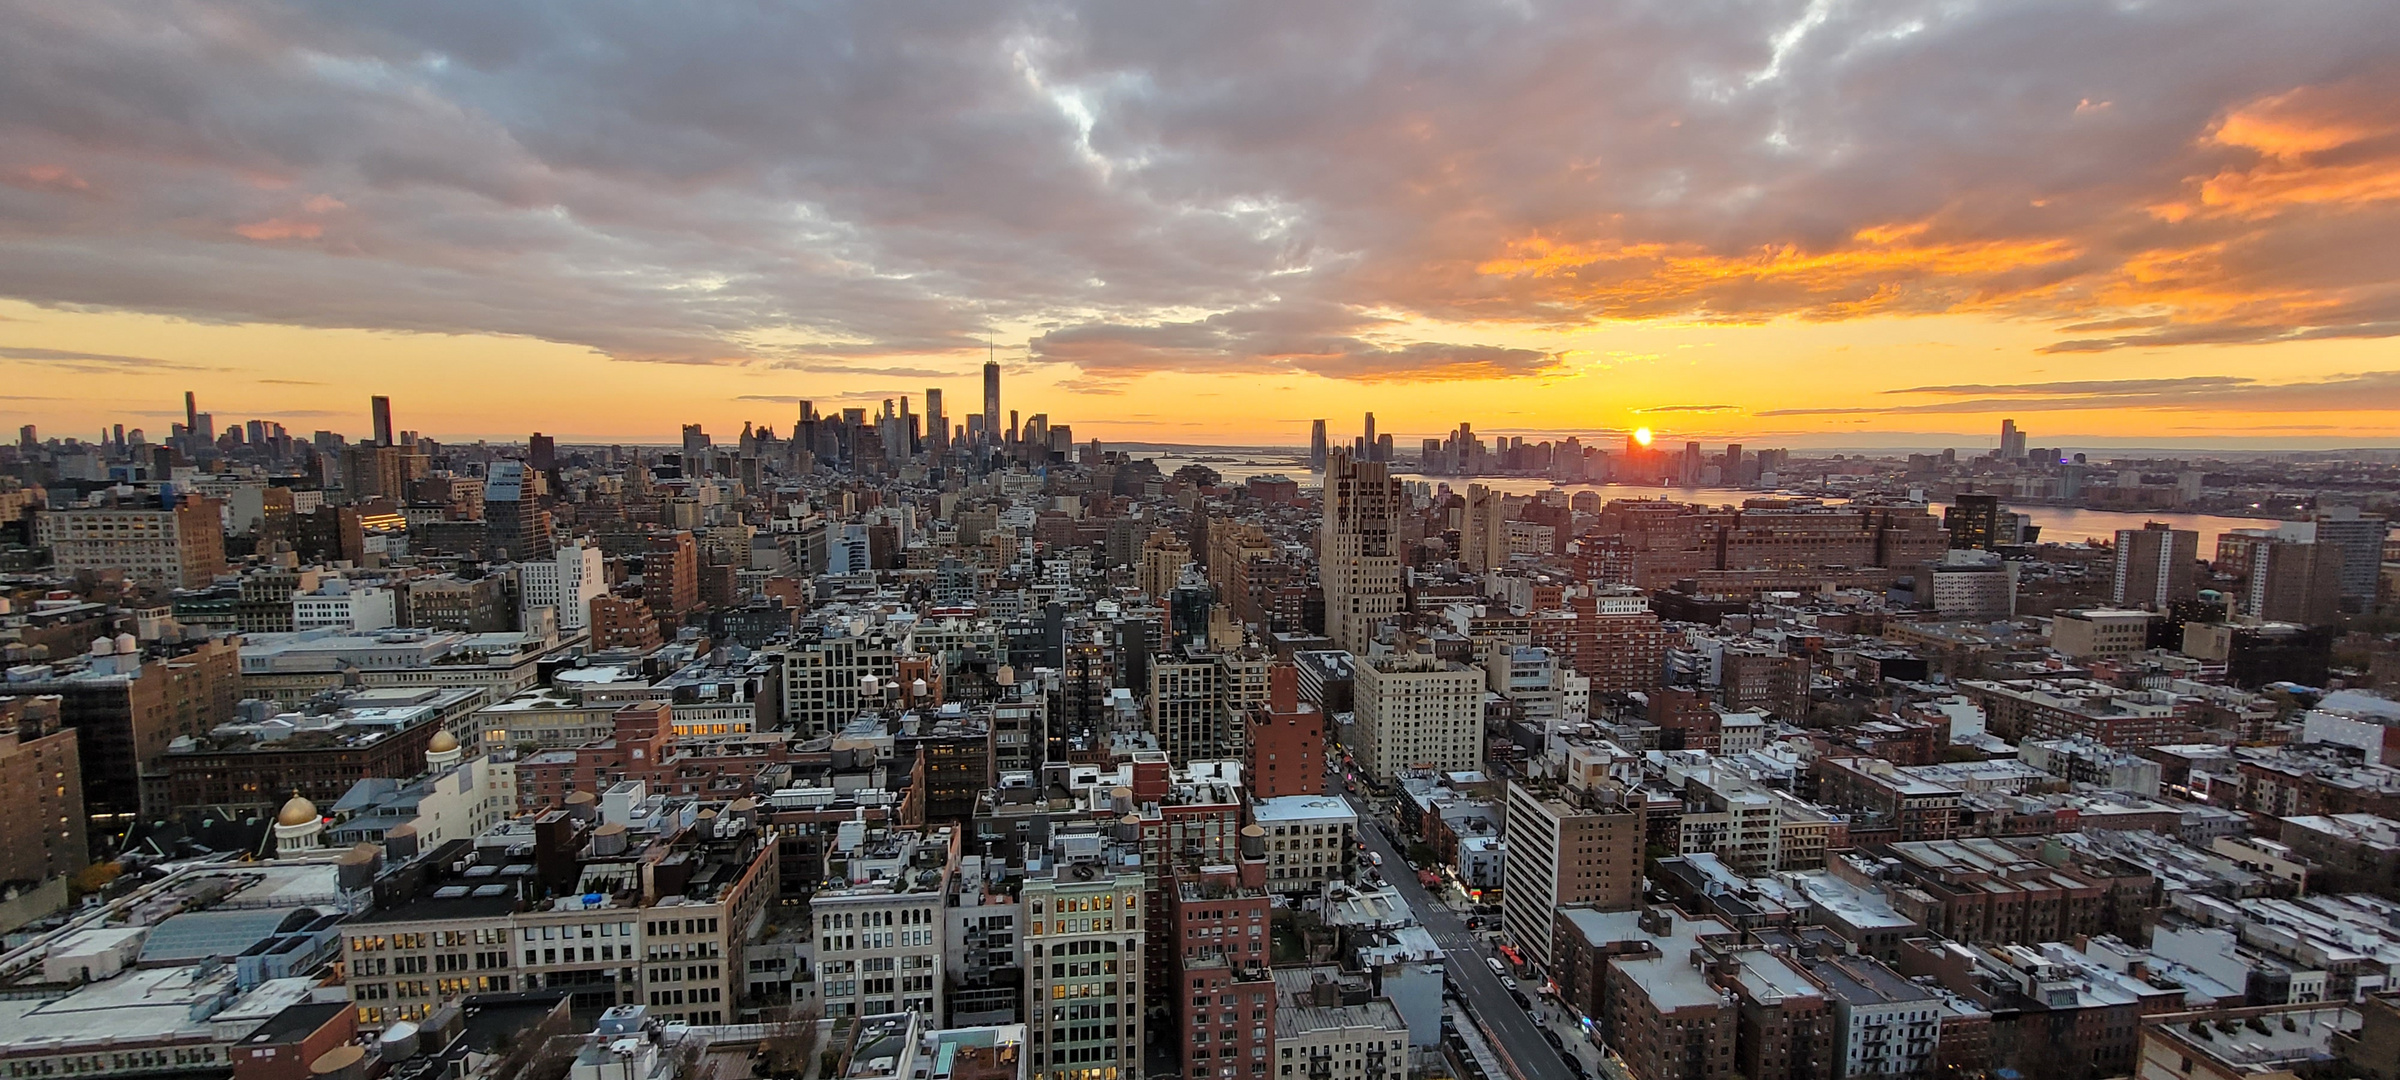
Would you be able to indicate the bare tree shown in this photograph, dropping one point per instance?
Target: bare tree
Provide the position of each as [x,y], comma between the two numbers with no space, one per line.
[545,1052]
[791,1040]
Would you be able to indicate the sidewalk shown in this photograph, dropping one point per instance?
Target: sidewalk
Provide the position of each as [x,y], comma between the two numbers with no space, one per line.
[1578,1043]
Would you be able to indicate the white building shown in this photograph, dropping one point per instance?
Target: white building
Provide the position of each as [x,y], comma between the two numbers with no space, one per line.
[567,583]
[339,604]
[880,936]
[1416,711]
[1309,838]
[1883,1024]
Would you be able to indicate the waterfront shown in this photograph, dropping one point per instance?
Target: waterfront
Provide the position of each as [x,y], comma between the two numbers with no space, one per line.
[2060,524]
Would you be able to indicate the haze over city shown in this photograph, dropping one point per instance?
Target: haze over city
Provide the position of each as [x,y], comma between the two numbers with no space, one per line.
[2156,224]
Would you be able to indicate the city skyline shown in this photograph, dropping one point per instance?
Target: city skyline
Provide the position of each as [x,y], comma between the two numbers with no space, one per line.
[1797,224]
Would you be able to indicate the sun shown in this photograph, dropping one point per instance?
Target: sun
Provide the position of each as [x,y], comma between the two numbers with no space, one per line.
[1641,435]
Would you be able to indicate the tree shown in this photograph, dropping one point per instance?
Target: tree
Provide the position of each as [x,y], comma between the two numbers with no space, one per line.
[790,1041]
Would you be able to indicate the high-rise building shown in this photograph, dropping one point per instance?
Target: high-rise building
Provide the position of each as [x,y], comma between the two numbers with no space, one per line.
[2294,581]
[937,423]
[1317,445]
[541,452]
[566,583]
[1973,522]
[1083,938]
[671,576]
[1224,995]
[1358,549]
[1369,441]
[1560,853]
[41,794]
[1417,711]
[1483,535]
[126,708]
[1285,740]
[383,420]
[2155,565]
[2012,441]
[2359,538]
[880,924]
[1733,466]
[191,412]
[991,400]
[695,451]
[517,527]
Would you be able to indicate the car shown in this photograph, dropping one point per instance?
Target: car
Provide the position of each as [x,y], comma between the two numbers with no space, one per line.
[1494,963]
[1553,1039]
[1511,984]
[1376,857]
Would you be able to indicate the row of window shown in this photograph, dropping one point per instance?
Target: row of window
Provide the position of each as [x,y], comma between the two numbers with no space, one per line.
[124,1061]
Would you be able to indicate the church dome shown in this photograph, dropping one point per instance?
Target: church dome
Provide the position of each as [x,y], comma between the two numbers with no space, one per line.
[443,742]
[299,811]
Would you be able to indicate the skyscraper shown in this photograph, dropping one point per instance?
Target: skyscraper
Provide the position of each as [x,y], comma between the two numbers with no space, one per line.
[2155,566]
[1359,560]
[991,399]
[383,419]
[1483,536]
[937,425]
[191,412]
[695,451]
[1370,437]
[541,451]
[517,527]
[2012,441]
[2359,538]
[1316,445]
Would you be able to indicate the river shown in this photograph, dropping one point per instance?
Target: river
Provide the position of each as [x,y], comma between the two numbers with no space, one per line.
[2060,524]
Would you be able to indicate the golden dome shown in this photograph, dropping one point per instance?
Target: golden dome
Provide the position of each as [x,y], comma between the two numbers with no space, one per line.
[299,811]
[443,742]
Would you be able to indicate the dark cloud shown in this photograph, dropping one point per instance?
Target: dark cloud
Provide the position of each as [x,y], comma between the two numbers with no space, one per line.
[1248,187]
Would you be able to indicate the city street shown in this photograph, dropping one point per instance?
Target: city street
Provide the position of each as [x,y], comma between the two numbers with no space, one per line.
[1515,1035]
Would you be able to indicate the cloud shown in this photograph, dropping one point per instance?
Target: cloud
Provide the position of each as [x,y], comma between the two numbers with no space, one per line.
[2371,391]
[1689,409]
[849,369]
[1327,340]
[1158,187]
[91,361]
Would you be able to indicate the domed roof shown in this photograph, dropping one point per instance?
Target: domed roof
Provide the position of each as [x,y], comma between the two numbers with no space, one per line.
[443,742]
[299,811]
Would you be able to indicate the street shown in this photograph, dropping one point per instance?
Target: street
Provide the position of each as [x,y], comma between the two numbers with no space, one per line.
[1514,1034]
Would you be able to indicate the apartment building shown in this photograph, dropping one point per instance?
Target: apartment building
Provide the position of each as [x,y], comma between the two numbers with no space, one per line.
[1416,711]
[1587,853]
[634,899]
[882,932]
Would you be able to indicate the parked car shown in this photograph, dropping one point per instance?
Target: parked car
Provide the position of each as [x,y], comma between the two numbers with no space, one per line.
[1494,963]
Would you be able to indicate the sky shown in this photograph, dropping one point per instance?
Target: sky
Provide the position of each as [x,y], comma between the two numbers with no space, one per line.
[2148,222]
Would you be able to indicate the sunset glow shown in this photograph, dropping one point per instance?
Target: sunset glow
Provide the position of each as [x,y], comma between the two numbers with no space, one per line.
[1796,224]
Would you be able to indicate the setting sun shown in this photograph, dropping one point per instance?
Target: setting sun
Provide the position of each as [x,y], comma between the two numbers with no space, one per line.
[1641,435]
